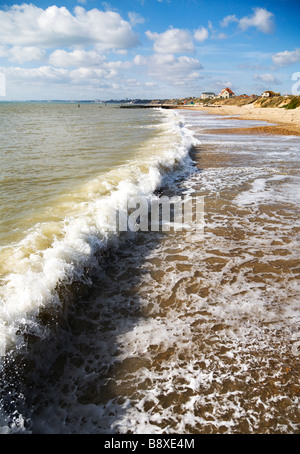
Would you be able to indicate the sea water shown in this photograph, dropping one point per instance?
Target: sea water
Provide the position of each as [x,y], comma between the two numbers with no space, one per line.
[146,332]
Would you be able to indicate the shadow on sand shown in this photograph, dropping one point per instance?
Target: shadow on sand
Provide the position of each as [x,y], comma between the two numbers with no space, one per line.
[66,377]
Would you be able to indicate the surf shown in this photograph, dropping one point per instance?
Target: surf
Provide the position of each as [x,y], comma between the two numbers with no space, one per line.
[67,249]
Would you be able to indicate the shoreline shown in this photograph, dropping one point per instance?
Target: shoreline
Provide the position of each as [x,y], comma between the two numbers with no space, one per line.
[283,122]
[280,130]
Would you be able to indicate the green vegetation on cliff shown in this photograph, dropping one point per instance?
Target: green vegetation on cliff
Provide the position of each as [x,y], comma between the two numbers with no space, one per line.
[285,102]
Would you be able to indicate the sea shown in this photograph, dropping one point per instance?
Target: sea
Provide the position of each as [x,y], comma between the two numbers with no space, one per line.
[158,331]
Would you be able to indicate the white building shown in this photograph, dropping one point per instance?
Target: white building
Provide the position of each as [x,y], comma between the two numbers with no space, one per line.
[226,93]
[267,94]
[207,95]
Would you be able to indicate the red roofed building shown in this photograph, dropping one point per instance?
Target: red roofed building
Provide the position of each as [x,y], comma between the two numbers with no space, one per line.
[226,93]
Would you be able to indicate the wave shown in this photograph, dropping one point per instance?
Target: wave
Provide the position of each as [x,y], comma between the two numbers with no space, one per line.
[57,253]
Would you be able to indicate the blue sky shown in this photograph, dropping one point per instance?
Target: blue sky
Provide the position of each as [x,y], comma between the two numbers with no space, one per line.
[88,49]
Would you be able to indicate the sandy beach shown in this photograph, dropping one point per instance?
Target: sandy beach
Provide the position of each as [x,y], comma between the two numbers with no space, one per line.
[283,122]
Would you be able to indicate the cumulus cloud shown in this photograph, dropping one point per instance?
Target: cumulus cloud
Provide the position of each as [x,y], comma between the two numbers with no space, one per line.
[25,54]
[64,59]
[201,34]
[42,74]
[169,68]
[49,74]
[177,70]
[261,18]
[172,41]
[286,57]
[28,25]
[90,75]
[139,60]
[72,49]
[3,51]
[228,20]
[22,54]
[267,78]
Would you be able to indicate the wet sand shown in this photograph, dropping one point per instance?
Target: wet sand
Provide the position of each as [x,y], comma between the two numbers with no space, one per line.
[283,122]
[212,346]
[285,130]
[215,319]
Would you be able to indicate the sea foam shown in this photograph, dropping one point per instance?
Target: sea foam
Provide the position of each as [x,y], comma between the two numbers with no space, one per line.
[33,273]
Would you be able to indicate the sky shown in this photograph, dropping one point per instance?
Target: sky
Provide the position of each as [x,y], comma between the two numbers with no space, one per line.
[149,49]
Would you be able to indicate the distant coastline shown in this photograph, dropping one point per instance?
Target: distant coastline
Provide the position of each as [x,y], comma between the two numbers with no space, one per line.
[283,112]
[283,121]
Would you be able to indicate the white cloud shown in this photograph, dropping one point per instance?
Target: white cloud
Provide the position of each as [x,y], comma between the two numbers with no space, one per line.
[49,74]
[139,60]
[42,74]
[201,34]
[286,57]
[135,18]
[90,75]
[267,78]
[64,59]
[22,54]
[150,84]
[4,52]
[214,34]
[228,20]
[221,83]
[25,54]
[28,25]
[261,19]
[172,41]
[168,68]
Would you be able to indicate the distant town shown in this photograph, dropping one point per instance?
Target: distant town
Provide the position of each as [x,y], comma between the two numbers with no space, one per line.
[226,93]
[266,99]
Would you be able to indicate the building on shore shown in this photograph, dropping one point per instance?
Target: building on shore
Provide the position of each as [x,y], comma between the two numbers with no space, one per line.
[207,95]
[269,94]
[226,93]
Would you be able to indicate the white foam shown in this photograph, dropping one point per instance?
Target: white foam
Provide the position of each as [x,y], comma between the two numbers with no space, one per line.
[32,275]
[253,317]
[263,192]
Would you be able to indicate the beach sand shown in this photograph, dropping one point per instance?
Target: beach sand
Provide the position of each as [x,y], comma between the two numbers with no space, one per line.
[283,122]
